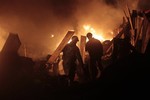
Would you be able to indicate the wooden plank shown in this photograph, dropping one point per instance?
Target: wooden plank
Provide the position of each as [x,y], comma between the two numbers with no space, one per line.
[131,24]
[145,37]
[129,14]
[82,47]
[61,46]
[139,28]
[117,36]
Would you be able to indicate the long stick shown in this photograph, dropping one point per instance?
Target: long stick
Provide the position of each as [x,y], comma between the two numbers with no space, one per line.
[132,29]
[82,46]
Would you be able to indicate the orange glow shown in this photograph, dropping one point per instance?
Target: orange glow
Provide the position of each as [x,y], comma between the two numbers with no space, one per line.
[3,34]
[112,32]
[69,41]
[86,27]
[1,43]
[97,35]
[52,35]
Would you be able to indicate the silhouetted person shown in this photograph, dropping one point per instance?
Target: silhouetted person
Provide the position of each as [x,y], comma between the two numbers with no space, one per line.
[71,55]
[95,49]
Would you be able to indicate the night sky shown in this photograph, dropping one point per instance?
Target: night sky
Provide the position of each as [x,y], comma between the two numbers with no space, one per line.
[36,20]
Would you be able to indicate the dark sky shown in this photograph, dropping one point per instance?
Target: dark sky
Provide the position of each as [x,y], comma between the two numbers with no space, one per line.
[36,20]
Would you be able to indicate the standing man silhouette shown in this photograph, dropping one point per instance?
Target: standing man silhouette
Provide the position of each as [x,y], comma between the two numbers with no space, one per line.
[95,49]
[71,54]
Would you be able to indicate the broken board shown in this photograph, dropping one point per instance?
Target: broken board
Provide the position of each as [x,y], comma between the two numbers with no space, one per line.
[12,44]
[61,46]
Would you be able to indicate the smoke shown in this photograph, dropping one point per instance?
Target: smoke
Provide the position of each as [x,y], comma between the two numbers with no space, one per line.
[42,24]
[144,5]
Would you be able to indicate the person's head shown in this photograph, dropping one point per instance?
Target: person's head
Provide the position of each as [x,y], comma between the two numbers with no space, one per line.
[74,39]
[89,35]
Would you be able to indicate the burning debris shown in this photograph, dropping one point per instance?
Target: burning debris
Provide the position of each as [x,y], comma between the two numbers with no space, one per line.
[132,36]
[135,26]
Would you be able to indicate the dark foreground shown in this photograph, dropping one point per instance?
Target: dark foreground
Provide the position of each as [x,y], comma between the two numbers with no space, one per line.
[128,78]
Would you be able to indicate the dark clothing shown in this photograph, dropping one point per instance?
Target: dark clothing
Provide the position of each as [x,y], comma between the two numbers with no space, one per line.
[95,50]
[71,54]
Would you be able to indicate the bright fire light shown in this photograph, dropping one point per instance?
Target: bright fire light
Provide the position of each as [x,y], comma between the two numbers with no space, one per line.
[86,27]
[52,35]
[97,35]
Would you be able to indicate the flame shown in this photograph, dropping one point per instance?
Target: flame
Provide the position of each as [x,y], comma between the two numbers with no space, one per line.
[86,27]
[97,35]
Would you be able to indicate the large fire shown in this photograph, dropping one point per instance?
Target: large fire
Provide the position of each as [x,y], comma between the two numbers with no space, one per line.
[96,34]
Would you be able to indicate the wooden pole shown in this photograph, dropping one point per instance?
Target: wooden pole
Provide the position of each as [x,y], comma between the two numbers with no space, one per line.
[131,24]
[145,35]
[82,47]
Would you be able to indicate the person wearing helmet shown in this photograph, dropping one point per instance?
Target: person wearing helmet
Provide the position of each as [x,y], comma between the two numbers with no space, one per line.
[95,49]
[71,54]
